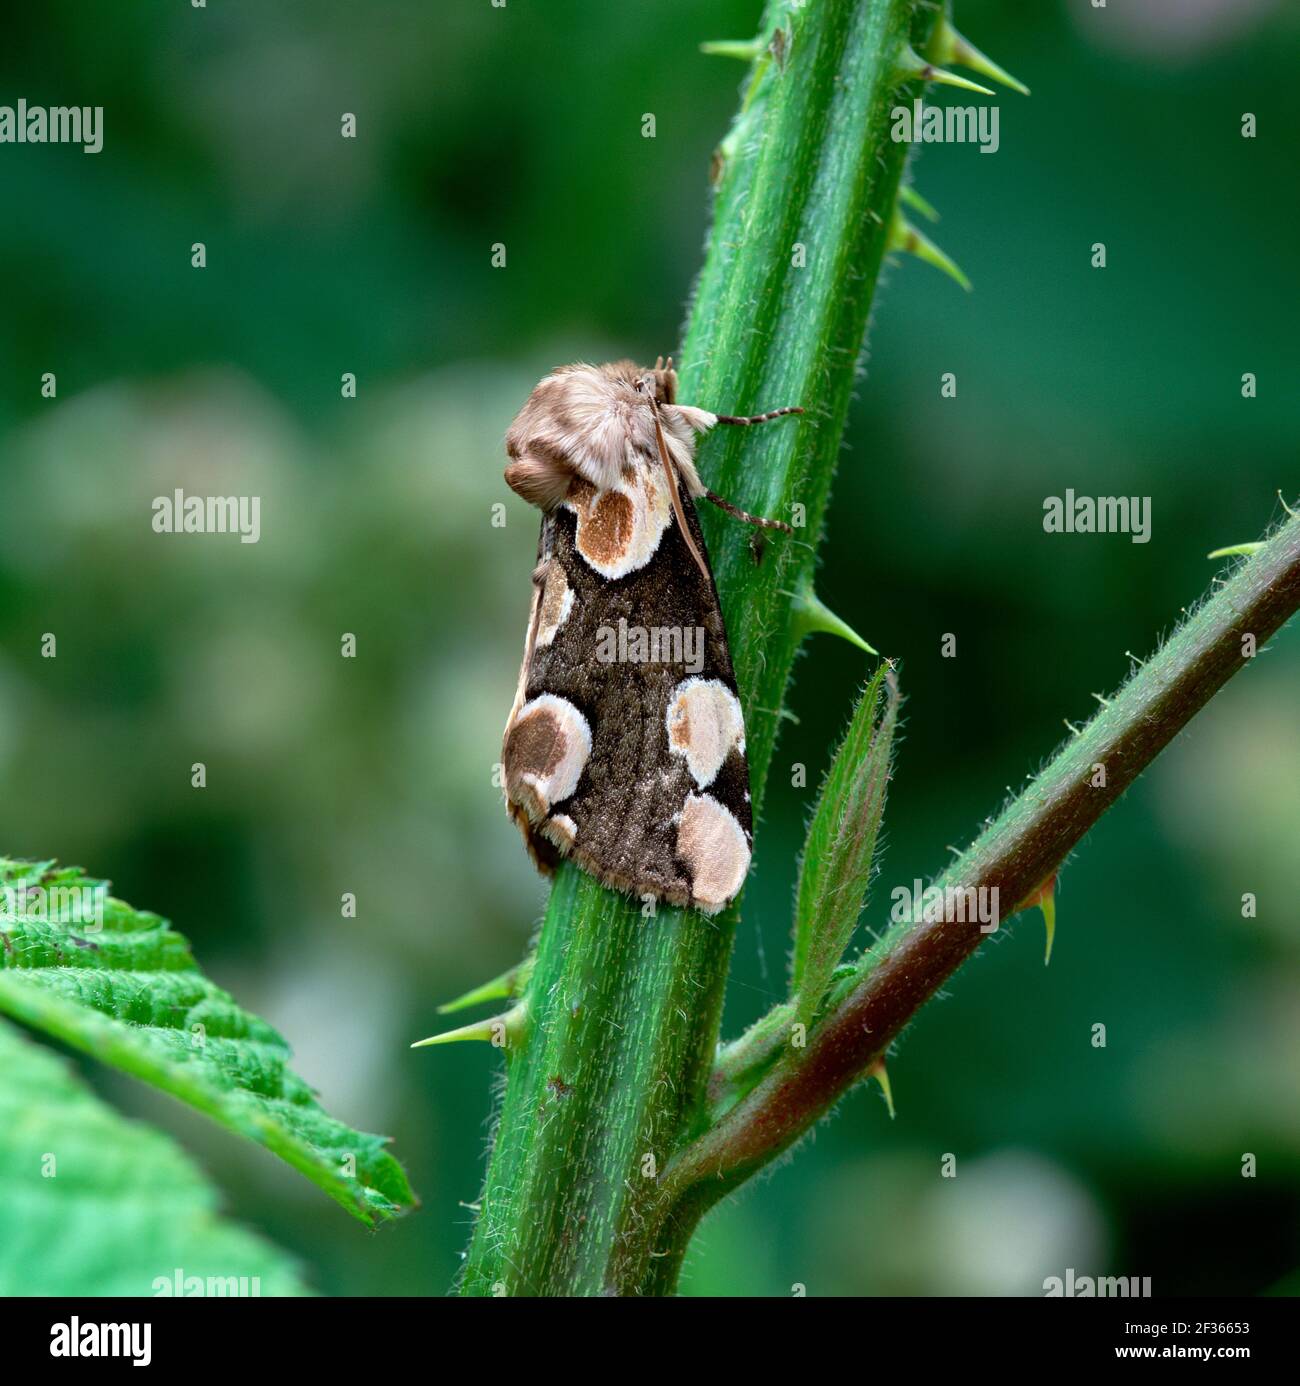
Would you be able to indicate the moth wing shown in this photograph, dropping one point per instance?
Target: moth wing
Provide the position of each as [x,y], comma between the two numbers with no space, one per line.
[544,854]
[626,746]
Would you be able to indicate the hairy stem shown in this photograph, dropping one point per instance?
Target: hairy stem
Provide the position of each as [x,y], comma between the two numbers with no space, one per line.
[610,1076]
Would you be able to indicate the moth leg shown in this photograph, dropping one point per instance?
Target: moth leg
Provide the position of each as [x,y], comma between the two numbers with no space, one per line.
[746,419]
[723,504]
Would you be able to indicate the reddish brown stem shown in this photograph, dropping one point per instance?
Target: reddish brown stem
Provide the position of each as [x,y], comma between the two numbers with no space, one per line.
[1014,856]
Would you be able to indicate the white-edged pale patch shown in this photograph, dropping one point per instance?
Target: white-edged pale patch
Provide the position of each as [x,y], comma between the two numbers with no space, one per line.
[620,527]
[547,748]
[715,849]
[560,829]
[556,604]
[704,724]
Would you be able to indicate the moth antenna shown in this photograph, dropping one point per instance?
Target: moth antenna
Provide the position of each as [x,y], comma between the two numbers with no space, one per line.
[671,473]
[723,504]
[747,419]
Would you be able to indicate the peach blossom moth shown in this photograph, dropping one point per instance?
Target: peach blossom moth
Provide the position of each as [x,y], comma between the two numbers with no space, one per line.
[625,746]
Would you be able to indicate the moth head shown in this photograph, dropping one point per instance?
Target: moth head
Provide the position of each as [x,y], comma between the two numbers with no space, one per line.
[584,422]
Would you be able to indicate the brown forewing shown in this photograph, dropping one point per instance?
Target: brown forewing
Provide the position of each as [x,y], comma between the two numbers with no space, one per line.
[622,819]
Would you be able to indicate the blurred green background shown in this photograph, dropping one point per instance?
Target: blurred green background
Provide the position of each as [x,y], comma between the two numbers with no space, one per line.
[521,125]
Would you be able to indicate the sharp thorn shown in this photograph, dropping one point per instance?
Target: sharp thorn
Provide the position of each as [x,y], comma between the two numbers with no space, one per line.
[477,1030]
[917,203]
[744,49]
[1045,898]
[499,1030]
[808,613]
[905,238]
[1285,506]
[1236,550]
[880,1073]
[948,46]
[913,68]
[508,984]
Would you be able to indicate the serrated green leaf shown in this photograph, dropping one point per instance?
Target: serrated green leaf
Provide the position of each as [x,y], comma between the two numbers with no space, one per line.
[841,844]
[121,985]
[94,1204]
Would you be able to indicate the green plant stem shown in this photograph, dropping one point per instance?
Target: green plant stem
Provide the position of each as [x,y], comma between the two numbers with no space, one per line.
[611,1075]
[1020,851]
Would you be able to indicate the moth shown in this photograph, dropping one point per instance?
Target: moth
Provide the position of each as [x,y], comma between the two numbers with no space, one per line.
[625,745]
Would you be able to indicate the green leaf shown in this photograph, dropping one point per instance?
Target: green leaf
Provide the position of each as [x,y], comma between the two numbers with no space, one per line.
[122,986]
[95,1204]
[841,844]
